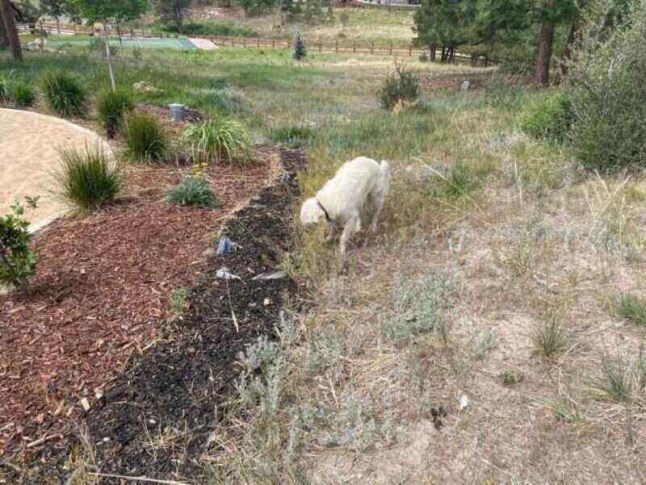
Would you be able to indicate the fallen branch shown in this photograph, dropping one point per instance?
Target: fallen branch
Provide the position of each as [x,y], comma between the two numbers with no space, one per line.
[45,438]
[137,479]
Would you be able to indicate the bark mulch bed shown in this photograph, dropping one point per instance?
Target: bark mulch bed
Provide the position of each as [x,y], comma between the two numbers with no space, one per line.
[102,286]
[155,418]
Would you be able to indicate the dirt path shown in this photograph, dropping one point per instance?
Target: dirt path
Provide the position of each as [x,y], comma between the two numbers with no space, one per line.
[29,144]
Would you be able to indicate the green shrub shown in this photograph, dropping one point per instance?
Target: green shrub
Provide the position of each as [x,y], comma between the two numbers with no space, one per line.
[300,52]
[549,117]
[292,136]
[608,95]
[145,138]
[399,89]
[64,93]
[17,260]
[88,178]
[113,106]
[192,190]
[218,140]
[22,94]
[4,89]
[211,28]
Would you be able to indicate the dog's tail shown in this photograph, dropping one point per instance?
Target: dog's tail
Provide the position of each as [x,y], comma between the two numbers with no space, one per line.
[385,167]
[385,173]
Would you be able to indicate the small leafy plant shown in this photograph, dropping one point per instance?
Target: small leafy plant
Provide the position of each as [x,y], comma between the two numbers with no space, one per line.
[400,89]
[64,94]
[145,138]
[113,106]
[88,178]
[192,190]
[218,140]
[17,259]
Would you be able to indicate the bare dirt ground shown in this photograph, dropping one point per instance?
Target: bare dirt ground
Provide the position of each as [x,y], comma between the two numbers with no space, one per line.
[29,144]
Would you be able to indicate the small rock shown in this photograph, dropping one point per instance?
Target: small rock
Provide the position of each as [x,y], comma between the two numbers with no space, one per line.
[267,302]
[463,401]
[466,84]
[85,403]
[278,275]
[223,273]
[144,87]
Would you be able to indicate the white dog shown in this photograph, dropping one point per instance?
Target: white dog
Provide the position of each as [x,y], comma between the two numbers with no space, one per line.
[353,198]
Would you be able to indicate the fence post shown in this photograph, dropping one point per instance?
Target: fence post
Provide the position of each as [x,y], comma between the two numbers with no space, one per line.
[336,46]
[410,50]
[372,47]
[244,42]
[390,52]
[354,47]
[257,42]
[273,43]
[320,46]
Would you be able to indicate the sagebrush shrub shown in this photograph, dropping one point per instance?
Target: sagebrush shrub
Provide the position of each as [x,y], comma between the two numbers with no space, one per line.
[192,190]
[218,140]
[145,138]
[88,178]
[549,117]
[64,93]
[113,106]
[608,96]
[399,89]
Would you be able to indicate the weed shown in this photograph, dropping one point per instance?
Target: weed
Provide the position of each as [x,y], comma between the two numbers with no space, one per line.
[145,138]
[178,300]
[64,93]
[549,338]
[459,182]
[192,190]
[511,377]
[88,178]
[566,411]
[631,308]
[614,380]
[482,342]
[292,136]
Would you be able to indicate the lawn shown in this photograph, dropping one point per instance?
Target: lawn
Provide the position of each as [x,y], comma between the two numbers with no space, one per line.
[490,291]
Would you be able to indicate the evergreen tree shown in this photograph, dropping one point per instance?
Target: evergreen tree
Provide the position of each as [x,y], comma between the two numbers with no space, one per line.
[300,51]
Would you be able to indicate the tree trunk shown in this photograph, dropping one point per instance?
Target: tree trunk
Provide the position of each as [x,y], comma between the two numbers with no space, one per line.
[567,52]
[433,52]
[108,54]
[58,25]
[4,39]
[544,54]
[6,15]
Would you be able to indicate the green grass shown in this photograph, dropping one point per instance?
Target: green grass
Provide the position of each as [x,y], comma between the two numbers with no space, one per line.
[631,308]
[88,178]
[145,138]
[64,93]
[112,108]
[192,190]
[218,140]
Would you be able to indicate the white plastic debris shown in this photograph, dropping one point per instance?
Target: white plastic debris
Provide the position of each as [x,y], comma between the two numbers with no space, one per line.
[278,275]
[225,274]
[463,401]
[225,246]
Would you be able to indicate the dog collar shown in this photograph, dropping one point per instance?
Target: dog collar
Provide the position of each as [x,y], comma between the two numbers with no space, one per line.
[327,214]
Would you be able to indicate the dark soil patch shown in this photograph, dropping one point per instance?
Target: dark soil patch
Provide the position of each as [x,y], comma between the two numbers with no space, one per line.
[103,284]
[156,417]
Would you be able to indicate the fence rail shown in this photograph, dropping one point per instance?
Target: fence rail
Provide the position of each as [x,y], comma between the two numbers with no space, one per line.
[344,47]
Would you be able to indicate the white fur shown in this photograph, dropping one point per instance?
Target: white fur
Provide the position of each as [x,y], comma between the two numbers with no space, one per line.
[353,199]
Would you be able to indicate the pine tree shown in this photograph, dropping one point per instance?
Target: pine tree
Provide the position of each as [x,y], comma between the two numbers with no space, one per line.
[299,47]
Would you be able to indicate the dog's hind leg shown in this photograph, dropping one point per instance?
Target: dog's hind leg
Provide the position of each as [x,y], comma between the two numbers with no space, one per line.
[378,206]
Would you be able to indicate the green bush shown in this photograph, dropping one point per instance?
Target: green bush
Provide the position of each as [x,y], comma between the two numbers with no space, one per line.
[292,136]
[399,89]
[145,138]
[113,106]
[22,94]
[608,95]
[210,28]
[88,178]
[192,190]
[64,93]
[549,117]
[17,260]
[218,140]
[4,89]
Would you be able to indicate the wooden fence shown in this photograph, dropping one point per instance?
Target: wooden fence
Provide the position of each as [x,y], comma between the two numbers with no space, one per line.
[338,46]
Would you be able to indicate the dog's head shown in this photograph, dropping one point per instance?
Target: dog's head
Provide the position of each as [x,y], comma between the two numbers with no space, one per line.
[311,212]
